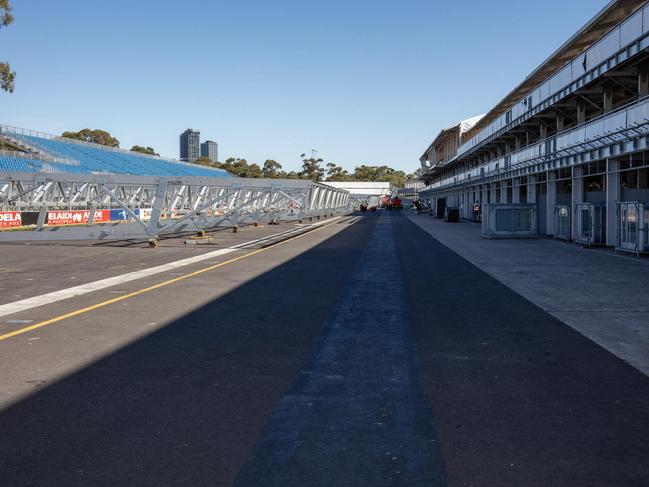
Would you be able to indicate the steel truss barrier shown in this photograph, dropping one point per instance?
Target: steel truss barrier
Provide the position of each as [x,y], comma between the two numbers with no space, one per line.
[155,206]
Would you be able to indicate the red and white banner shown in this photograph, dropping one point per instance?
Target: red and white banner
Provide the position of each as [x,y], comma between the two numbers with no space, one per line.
[10,219]
[69,217]
[144,213]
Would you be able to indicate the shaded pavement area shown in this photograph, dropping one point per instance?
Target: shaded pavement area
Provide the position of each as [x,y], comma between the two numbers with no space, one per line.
[518,397]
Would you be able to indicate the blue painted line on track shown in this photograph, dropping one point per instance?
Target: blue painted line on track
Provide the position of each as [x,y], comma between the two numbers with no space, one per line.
[357,414]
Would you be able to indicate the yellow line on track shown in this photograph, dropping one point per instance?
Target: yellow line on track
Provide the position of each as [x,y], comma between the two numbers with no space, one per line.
[80,311]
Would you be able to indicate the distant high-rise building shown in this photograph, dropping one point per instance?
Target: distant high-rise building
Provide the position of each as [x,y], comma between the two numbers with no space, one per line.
[210,149]
[190,141]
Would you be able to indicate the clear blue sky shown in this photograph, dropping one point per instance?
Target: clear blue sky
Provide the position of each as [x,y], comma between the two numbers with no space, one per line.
[361,81]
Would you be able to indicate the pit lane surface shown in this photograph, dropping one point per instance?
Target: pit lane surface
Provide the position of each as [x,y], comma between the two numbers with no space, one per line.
[420,370]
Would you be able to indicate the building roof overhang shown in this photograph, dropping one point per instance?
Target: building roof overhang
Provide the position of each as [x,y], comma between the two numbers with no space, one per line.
[461,127]
[607,18]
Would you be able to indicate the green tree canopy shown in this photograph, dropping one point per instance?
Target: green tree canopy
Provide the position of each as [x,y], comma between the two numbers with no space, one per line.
[379,173]
[252,171]
[7,76]
[95,136]
[337,173]
[271,169]
[240,168]
[144,150]
[311,168]
[204,161]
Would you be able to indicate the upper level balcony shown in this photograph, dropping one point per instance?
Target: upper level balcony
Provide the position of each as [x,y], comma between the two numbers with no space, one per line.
[626,40]
[621,131]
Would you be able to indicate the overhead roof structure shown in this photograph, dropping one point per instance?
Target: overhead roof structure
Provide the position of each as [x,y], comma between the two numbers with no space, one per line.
[463,126]
[364,188]
[613,13]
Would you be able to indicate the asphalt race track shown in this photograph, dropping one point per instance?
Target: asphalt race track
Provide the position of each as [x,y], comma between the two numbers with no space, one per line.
[362,353]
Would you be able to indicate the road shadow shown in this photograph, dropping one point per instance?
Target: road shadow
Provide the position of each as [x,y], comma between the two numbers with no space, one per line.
[185,404]
[518,397]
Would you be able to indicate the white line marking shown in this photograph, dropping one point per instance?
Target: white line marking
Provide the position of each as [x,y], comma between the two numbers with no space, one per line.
[53,297]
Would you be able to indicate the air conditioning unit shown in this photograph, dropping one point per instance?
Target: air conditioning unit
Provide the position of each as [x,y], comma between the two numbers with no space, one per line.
[632,226]
[562,222]
[590,223]
[509,220]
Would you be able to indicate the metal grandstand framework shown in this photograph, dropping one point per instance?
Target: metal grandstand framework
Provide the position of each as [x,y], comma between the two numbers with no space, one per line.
[156,206]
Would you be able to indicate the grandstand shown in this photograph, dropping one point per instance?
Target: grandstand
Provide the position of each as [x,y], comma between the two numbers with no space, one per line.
[43,177]
[36,152]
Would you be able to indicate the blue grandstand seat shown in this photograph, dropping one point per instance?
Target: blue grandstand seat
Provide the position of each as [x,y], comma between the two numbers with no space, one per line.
[92,158]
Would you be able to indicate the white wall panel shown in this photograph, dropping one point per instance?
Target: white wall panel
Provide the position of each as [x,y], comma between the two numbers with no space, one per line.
[615,122]
[544,89]
[594,129]
[577,67]
[603,49]
[639,114]
[631,29]
[536,97]
[561,79]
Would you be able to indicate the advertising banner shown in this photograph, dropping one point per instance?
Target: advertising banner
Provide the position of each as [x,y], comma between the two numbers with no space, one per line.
[143,213]
[29,217]
[76,217]
[118,215]
[10,219]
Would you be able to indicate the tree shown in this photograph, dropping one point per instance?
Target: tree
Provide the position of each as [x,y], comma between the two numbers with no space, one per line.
[252,171]
[271,169]
[100,137]
[229,165]
[204,161]
[291,175]
[7,76]
[144,150]
[240,168]
[379,173]
[337,173]
[311,168]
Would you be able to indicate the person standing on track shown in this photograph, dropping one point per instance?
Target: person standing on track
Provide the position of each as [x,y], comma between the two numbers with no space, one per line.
[476,211]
